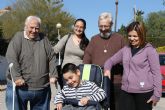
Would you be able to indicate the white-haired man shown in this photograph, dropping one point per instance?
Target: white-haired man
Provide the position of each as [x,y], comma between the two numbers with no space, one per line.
[101,47]
[33,66]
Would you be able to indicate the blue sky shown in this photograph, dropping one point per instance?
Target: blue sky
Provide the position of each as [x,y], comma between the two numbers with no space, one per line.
[90,10]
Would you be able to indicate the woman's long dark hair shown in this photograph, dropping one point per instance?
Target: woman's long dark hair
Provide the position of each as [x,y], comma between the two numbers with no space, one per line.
[84,41]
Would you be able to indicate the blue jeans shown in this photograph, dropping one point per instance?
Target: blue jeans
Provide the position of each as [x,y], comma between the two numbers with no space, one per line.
[9,97]
[39,99]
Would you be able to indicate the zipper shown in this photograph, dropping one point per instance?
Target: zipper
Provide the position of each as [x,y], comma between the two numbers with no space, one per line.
[131,60]
[129,71]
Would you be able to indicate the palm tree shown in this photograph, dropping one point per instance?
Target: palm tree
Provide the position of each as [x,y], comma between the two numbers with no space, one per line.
[116,14]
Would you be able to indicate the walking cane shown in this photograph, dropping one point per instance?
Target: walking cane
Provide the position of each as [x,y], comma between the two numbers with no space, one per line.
[10,67]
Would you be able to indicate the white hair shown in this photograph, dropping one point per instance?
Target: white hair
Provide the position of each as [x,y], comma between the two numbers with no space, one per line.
[106,15]
[29,18]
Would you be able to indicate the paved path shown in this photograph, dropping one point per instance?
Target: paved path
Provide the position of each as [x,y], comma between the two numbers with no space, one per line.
[2,98]
[160,105]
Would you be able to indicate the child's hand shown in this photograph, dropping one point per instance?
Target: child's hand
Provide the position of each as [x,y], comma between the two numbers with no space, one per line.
[59,106]
[84,100]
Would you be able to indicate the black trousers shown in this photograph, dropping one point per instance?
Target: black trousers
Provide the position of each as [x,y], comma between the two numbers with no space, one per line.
[135,101]
[114,96]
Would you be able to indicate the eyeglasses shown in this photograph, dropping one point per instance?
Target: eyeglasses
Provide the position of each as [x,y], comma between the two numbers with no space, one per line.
[104,26]
[78,27]
[34,28]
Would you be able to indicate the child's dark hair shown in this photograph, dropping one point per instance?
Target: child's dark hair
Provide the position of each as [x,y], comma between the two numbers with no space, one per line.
[84,42]
[69,67]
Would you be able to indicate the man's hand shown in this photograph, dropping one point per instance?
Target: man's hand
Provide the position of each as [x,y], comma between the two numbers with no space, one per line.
[107,73]
[19,82]
[59,106]
[84,100]
[52,80]
[154,102]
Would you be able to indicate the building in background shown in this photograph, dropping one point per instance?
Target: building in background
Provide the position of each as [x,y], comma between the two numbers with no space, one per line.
[5,10]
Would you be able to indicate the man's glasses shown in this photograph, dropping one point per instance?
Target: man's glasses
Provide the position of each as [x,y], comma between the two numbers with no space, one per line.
[104,26]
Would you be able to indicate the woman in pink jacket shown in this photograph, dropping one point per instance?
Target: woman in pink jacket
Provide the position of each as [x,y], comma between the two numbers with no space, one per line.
[141,80]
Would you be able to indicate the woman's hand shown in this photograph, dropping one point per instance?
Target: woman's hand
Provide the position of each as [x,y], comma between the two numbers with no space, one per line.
[154,102]
[107,73]
[53,80]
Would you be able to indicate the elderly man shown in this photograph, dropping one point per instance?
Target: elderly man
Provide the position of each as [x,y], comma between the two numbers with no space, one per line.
[104,45]
[33,66]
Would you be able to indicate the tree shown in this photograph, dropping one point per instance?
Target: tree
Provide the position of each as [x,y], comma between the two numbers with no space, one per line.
[122,30]
[3,42]
[155,24]
[139,15]
[50,12]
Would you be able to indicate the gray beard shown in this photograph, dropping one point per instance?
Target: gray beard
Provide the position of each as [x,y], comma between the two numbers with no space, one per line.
[106,35]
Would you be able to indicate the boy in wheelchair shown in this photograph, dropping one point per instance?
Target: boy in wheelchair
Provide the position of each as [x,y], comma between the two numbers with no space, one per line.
[83,94]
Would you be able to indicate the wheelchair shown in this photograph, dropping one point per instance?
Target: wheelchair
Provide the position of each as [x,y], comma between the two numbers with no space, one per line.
[94,73]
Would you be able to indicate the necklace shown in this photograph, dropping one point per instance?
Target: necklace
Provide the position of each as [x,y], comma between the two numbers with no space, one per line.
[77,40]
[105,50]
[106,47]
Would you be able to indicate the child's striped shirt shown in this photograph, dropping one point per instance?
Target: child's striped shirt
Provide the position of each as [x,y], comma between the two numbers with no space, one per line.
[85,89]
